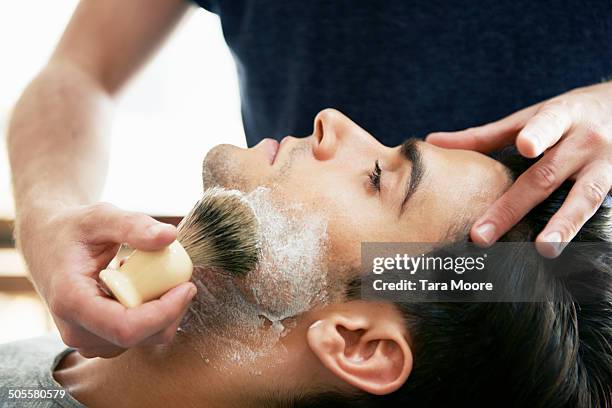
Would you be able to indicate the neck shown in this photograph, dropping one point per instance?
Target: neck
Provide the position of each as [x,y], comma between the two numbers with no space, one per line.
[159,376]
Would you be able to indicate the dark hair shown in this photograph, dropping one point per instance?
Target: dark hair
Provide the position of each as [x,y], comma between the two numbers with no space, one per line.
[546,354]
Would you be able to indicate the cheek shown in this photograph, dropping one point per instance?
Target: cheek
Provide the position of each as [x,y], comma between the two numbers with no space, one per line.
[353,215]
[354,218]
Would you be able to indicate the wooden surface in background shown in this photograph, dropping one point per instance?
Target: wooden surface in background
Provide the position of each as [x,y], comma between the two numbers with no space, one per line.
[6,234]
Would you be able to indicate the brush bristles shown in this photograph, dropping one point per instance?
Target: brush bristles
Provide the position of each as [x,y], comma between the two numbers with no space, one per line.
[221,231]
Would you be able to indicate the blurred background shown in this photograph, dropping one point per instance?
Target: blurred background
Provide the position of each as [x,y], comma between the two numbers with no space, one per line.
[184,102]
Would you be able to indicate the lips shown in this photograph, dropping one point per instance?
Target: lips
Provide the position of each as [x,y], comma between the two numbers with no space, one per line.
[272,148]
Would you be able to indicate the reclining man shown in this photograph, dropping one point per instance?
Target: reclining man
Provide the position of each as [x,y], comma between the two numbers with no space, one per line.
[303,337]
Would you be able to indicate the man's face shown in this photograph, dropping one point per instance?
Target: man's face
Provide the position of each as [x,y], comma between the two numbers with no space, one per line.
[367,191]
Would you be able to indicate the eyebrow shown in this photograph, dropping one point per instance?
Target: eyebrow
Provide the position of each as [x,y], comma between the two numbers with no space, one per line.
[410,150]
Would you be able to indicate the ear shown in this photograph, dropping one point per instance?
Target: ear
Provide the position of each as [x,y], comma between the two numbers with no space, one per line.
[364,345]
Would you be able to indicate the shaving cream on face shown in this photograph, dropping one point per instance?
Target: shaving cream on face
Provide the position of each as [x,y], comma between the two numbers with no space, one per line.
[290,277]
[239,320]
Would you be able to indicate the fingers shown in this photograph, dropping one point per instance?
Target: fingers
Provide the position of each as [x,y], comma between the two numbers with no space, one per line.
[104,223]
[90,345]
[125,328]
[544,129]
[486,138]
[586,196]
[167,335]
[531,188]
[102,348]
[105,349]
[98,347]
[87,344]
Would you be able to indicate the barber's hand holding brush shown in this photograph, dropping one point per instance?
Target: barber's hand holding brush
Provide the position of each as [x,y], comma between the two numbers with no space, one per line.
[66,251]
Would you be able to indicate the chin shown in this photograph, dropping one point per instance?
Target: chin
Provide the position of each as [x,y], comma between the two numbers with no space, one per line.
[220,168]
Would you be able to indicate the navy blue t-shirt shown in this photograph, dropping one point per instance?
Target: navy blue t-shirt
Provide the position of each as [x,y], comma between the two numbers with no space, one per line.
[404,68]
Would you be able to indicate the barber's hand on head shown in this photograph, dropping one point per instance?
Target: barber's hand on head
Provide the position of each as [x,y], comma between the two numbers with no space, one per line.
[65,255]
[573,133]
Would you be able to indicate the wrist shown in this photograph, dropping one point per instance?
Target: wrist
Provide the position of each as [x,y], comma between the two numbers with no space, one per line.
[32,213]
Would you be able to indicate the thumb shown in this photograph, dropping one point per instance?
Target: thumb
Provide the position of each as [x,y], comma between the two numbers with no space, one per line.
[107,223]
[486,138]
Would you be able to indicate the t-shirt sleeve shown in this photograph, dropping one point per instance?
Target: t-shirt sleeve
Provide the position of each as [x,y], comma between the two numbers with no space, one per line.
[29,364]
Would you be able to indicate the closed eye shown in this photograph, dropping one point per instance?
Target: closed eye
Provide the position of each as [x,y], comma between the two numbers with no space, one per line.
[375,176]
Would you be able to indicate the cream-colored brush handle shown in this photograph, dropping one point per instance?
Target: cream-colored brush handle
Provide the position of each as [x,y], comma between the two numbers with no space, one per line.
[146,275]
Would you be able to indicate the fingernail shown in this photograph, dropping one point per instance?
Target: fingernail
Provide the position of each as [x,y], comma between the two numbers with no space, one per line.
[191,293]
[536,144]
[486,232]
[554,239]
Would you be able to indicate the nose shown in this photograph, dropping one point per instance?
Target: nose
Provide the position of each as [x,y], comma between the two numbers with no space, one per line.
[327,132]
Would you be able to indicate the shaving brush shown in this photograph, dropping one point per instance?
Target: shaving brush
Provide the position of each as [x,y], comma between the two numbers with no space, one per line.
[221,232]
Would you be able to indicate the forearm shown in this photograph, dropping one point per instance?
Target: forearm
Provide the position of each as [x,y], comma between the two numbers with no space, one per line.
[58,141]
